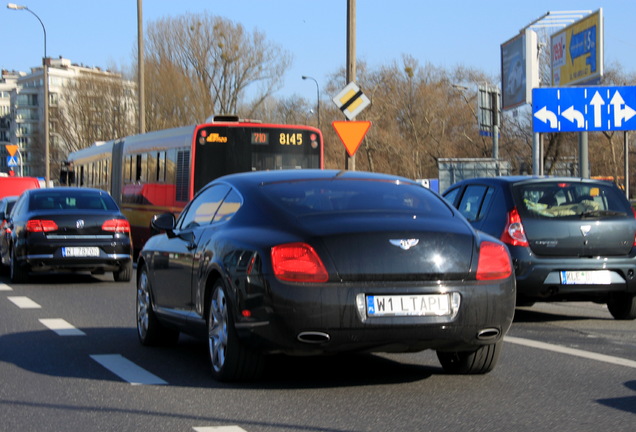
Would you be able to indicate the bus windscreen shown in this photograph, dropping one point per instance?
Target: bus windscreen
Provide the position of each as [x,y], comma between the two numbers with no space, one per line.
[221,150]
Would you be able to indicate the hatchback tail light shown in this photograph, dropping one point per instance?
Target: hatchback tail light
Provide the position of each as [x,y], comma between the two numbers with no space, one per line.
[494,261]
[116,225]
[41,225]
[513,234]
[298,262]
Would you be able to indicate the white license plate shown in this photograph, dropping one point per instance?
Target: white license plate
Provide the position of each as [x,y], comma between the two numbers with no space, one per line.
[597,277]
[409,305]
[80,251]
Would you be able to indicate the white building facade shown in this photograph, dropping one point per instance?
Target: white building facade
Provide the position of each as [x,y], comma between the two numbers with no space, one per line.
[22,115]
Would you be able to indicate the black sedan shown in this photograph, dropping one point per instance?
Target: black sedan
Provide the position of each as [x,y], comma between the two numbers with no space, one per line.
[321,261]
[67,229]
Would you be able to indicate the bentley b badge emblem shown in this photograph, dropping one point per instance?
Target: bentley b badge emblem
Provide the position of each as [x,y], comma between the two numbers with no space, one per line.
[405,244]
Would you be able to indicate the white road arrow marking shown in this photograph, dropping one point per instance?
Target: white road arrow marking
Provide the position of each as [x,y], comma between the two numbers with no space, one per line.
[597,103]
[574,115]
[621,113]
[547,116]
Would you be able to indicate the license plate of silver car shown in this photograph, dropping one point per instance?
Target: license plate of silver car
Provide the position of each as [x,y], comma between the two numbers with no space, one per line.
[583,277]
[408,305]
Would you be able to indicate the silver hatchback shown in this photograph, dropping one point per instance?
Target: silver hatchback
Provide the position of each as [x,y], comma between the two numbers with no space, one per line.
[569,238]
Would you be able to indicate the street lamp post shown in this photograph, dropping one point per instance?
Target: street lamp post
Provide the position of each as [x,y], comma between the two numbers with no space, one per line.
[47,171]
[317,96]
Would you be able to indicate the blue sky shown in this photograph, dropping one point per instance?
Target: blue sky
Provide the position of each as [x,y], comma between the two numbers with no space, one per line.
[445,33]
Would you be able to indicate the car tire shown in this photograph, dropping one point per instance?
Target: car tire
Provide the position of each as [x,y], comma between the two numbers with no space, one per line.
[124,274]
[149,330]
[18,273]
[230,359]
[480,361]
[622,306]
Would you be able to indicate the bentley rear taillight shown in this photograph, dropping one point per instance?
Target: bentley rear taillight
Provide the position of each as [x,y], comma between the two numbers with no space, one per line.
[513,234]
[298,262]
[494,261]
[116,225]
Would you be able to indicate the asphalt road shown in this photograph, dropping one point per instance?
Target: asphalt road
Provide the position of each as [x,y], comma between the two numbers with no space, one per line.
[70,361]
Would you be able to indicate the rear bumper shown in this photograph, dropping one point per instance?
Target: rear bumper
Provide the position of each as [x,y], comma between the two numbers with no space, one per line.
[540,278]
[106,262]
[301,319]
[47,255]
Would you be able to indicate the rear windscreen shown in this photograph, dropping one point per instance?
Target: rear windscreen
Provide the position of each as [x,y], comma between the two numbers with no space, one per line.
[71,200]
[570,200]
[325,196]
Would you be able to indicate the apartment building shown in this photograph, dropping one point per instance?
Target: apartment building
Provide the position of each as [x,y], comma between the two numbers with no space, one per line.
[22,115]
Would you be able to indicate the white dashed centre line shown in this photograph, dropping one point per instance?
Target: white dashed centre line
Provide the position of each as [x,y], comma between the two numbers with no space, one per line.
[62,327]
[572,351]
[24,302]
[127,370]
[5,287]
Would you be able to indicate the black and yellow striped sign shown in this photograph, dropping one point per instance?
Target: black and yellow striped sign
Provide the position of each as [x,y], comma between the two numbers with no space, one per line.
[351,101]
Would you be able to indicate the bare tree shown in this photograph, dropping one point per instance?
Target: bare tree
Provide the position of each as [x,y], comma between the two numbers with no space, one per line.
[93,107]
[418,116]
[199,65]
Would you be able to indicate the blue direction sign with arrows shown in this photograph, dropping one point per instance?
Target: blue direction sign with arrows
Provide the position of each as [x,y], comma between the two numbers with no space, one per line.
[580,109]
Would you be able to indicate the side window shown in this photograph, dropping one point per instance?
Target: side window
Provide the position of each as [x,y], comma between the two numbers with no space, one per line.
[451,196]
[471,201]
[202,209]
[230,206]
[17,208]
[486,203]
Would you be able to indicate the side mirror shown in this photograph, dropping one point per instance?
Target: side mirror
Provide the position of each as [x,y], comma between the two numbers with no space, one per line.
[164,222]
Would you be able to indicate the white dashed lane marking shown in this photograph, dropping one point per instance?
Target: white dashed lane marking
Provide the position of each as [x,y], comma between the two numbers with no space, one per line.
[127,370]
[62,327]
[24,302]
[5,287]
[219,429]
[572,351]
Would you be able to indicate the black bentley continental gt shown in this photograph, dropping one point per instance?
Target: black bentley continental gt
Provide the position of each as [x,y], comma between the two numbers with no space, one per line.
[320,262]
[67,229]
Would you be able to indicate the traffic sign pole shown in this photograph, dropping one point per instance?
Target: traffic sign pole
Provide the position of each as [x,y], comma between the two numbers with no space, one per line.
[350,161]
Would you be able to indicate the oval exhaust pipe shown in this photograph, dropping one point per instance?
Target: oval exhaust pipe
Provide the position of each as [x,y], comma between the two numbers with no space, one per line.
[488,333]
[313,337]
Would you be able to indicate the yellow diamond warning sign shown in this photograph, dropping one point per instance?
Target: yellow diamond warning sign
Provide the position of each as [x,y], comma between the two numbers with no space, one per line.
[351,133]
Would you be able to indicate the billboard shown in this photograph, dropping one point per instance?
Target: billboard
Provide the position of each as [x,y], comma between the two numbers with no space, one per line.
[577,52]
[519,69]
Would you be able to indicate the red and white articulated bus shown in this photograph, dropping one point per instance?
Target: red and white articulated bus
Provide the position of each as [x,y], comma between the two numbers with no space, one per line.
[161,171]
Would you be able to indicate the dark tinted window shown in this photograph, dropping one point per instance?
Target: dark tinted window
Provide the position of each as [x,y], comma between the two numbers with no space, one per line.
[229,207]
[203,207]
[570,199]
[65,199]
[323,196]
[475,201]
[451,195]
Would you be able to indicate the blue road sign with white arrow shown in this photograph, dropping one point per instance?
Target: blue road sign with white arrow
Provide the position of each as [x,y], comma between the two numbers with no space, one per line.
[580,109]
